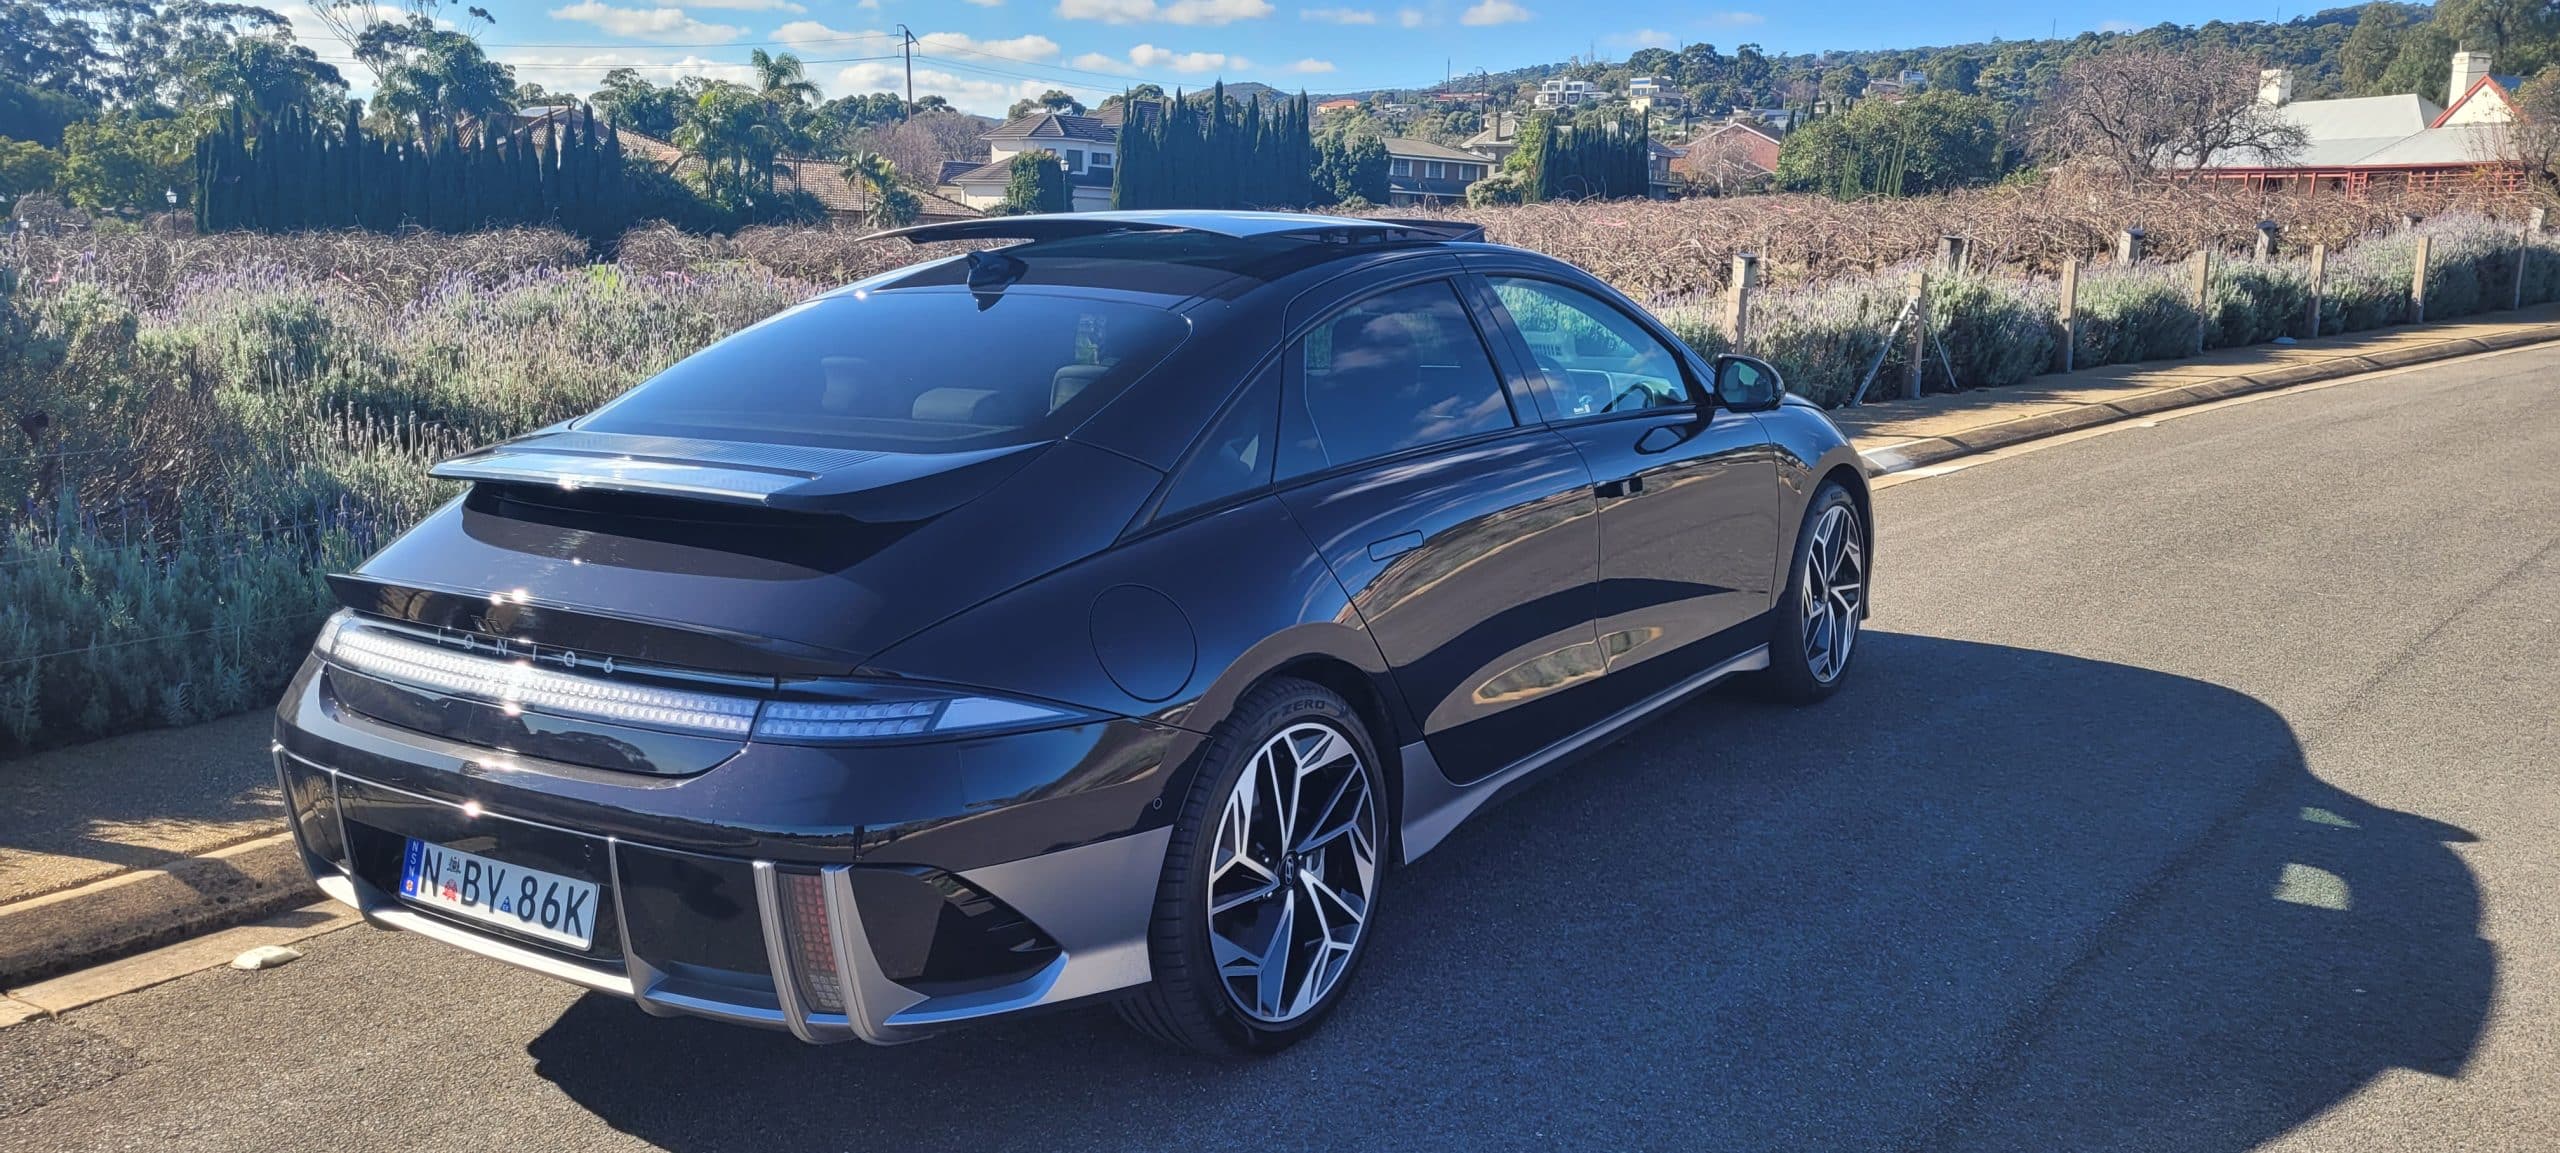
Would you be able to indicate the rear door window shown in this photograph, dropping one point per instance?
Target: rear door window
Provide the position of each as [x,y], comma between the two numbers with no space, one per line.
[904,371]
[1399,370]
[1236,456]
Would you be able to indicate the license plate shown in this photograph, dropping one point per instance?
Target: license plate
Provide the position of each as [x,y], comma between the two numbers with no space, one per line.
[529,901]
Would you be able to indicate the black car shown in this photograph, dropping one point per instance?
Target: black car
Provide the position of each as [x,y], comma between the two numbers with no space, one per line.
[1098,616]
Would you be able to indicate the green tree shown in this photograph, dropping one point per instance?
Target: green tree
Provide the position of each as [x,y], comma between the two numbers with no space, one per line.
[125,162]
[783,79]
[1954,72]
[734,132]
[1053,100]
[2368,51]
[1930,143]
[434,80]
[1035,182]
[629,100]
[2420,65]
[890,205]
[1351,160]
[26,166]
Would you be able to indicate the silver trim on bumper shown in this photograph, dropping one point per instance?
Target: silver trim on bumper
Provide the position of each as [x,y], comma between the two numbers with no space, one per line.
[1094,900]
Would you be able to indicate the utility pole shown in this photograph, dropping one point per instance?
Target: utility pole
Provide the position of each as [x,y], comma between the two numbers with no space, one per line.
[907,48]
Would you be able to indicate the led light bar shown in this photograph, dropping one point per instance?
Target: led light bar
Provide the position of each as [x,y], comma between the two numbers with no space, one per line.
[520,684]
[812,935]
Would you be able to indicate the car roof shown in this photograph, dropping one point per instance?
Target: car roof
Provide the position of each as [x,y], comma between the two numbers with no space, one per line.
[1234,223]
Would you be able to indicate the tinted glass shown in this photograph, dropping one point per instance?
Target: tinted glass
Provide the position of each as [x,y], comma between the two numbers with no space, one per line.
[1594,358]
[904,372]
[1236,456]
[1395,371]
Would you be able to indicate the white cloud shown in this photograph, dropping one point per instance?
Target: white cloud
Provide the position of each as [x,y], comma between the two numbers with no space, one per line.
[1645,38]
[1179,12]
[985,95]
[1412,17]
[1486,12]
[808,31]
[581,72]
[1097,62]
[1108,11]
[1148,56]
[979,3]
[749,5]
[1338,15]
[1029,47]
[1311,64]
[2119,26]
[1732,19]
[1215,11]
[646,23]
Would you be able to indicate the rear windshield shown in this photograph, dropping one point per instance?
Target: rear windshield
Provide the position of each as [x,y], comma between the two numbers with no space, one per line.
[910,371]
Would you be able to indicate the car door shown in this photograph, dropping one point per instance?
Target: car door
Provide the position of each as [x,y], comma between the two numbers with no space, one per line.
[1462,527]
[1687,491]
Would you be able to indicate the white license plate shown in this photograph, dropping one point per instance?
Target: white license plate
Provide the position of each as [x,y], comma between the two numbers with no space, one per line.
[530,901]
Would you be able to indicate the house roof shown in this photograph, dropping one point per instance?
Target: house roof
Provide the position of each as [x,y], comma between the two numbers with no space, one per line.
[824,181]
[1707,134]
[952,168]
[1001,171]
[1056,126]
[2363,117]
[1408,148]
[2503,87]
[2460,144]
[2376,132]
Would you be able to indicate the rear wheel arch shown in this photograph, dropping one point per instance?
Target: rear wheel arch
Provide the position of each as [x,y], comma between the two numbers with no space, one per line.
[1854,479]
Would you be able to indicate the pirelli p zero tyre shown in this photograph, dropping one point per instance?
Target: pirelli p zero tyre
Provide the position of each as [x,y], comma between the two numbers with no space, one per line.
[1814,632]
[1271,878]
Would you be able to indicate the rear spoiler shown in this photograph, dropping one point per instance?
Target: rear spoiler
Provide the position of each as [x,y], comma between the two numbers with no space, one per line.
[875,486]
[1238,224]
[1457,231]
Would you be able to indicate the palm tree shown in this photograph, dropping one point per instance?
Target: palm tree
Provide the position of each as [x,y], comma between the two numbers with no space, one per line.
[782,79]
[887,204]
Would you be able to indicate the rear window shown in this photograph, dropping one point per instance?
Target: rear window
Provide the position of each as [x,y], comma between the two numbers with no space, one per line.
[904,372]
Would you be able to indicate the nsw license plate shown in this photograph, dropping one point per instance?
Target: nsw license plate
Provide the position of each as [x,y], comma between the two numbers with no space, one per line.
[545,905]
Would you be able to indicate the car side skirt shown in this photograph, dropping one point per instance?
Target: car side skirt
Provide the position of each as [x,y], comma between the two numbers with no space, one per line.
[1434,805]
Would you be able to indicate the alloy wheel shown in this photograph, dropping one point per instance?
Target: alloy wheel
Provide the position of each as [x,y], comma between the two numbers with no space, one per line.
[1834,592]
[1292,872]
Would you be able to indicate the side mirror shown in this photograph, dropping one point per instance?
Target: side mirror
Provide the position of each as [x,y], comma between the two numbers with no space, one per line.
[1747,384]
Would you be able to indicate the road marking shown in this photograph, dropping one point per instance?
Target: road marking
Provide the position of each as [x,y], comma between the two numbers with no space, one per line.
[2039,444]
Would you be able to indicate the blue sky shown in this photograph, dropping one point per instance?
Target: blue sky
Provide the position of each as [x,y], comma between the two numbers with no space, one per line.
[984,54]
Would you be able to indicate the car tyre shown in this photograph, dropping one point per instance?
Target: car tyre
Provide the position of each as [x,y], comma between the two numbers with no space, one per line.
[1235,884]
[1814,631]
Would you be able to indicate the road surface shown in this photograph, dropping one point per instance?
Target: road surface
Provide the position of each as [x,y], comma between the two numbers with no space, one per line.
[2195,792]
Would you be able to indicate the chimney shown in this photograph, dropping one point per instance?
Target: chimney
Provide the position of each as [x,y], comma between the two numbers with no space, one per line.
[2275,86]
[2468,68]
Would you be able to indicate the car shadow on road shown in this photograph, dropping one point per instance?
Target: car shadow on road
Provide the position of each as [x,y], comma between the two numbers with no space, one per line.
[1985,897]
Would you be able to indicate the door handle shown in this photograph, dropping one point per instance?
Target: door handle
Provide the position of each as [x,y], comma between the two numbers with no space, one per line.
[1394,546]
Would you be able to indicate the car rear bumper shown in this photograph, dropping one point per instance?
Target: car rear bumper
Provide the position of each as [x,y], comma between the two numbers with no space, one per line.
[806,932]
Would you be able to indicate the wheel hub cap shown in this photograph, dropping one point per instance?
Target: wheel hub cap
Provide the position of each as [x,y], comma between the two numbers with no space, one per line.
[1292,872]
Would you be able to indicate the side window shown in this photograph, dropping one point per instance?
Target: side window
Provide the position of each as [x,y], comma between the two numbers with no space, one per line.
[1395,371]
[1593,358]
[1236,456]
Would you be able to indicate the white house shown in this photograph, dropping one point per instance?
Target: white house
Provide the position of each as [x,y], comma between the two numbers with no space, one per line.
[2403,140]
[1646,93]
[1561,93]
[1088,146]
[1420,172]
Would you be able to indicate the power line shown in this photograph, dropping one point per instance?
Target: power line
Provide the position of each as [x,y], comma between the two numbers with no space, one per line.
[682,64]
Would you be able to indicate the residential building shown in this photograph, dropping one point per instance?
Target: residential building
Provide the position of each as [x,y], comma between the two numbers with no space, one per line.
[1649,94]
[1498,139]
[2404,140]
[1420,172]
[1662,177]
[1337,104]
[1088,146]
[1735,156]
[1562,93]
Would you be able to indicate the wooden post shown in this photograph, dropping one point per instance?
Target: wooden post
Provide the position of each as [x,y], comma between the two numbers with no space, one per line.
[2533,223]
[1919,352]
[2524,248]
[2319,272]
[2418,283]
[1737,303]
[1955,255]
[2199,286]
[2129,246]
[2067,312]
[2267,230]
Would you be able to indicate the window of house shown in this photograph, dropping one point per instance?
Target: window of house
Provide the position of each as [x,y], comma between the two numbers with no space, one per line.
[1401,168]
[1398,370]
[1075,160]
[1099,160]
[1592,358]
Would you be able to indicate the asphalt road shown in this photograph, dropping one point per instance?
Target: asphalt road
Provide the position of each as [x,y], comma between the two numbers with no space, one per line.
[2195,792]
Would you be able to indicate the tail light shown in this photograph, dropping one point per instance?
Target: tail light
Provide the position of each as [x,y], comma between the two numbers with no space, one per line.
[810,936]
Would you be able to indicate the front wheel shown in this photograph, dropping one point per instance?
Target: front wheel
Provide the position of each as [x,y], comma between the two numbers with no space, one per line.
[1814,631]
[1271,878]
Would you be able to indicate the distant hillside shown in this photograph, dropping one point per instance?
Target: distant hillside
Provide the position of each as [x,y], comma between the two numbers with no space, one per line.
[2378,48]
